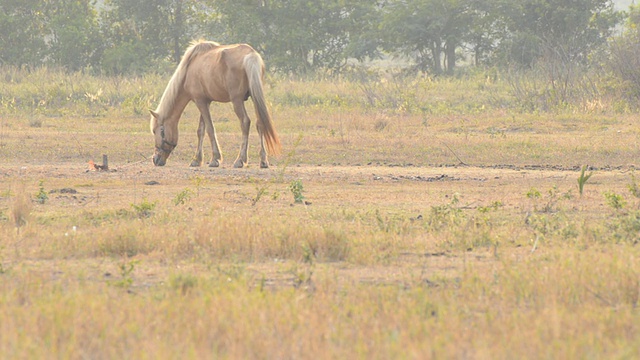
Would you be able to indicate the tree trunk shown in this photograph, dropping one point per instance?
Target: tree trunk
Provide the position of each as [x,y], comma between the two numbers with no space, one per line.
[450,56]
[437,53]
[177,32]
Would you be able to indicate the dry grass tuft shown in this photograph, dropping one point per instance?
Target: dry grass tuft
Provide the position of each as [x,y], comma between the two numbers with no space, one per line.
[21,207]
[256,240]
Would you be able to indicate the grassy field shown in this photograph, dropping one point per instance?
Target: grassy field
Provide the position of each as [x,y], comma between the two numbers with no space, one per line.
[407,218]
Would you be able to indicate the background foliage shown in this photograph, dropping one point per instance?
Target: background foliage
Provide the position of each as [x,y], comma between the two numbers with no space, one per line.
[553,53]
[121,36]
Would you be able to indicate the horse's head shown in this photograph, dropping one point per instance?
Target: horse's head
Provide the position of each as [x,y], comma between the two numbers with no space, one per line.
[166,138]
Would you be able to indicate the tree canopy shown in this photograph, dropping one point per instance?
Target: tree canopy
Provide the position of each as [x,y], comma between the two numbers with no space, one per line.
[132,36]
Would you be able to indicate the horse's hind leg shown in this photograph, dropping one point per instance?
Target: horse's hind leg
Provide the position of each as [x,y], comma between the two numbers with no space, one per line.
[245,124]
[197,158]
[205,116]
[264,163]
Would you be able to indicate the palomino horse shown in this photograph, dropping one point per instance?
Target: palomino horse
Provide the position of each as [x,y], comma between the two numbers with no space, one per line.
[212,72]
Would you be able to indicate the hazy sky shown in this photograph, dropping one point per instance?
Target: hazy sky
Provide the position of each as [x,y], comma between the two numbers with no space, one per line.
[623,4]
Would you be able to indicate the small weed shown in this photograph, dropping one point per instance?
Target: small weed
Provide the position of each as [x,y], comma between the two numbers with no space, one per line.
[297,189]
[446,215]
[626,228]
[533,193]
[198,182]
[126,274]
[182,197]
[493,207]
[582,179]
[550,200]
[183,283]
[41,196]
[614,200]
[261,190]
[308,253]
[303,278]
[633,187]
[144,209]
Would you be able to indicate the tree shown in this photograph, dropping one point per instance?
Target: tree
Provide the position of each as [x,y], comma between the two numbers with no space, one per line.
[73,38]
[299,35]
[429,31]
[22,32]
[571,29]
[624,61]
[140,34]
[485,30]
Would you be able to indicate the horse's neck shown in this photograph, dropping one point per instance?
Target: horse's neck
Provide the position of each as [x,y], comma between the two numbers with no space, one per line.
[174,109]
[174,100]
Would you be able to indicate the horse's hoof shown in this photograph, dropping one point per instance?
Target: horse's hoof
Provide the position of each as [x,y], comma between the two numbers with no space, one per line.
[264,165]
[214,163]
[239,164]
[196,163]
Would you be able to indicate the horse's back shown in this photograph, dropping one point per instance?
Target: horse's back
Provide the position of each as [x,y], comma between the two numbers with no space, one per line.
[219,73]
[233,55]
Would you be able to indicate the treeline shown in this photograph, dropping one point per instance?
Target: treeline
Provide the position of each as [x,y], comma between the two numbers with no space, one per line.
[135,36]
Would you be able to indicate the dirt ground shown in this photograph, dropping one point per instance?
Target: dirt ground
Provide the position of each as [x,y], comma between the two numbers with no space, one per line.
[408,190]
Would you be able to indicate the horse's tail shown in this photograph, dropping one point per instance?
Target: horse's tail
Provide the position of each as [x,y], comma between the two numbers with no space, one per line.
[254,67]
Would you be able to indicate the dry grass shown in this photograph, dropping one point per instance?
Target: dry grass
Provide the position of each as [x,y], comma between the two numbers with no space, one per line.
[21,207]
[499,259]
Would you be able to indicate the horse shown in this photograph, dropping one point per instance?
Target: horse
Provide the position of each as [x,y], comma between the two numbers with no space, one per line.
[211,72]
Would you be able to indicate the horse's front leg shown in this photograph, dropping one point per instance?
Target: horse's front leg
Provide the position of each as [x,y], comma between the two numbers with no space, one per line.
[245,124]
[197,158]
[205,116]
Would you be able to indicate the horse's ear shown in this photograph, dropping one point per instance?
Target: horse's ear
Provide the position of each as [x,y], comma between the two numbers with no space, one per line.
[155,114]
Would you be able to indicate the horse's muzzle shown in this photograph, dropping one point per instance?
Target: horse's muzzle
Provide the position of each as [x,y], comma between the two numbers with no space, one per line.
[159,160]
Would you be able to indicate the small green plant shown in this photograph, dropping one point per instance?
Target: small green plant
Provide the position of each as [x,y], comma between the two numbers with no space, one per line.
[303,277]
[550,200]
[144,209]
[493,207]
[41,196]
[633,187]
[554,225]
[261,190]
[446,215]
[182,197]
[198,182]
[582,179]
[126,274]
[533,193]
[614,200]
[297,189]
[625,228]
